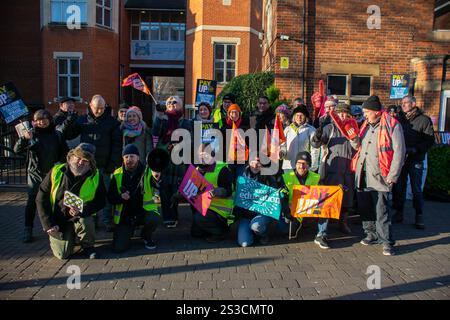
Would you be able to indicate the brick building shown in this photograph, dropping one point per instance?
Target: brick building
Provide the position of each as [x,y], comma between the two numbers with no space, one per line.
[355,47]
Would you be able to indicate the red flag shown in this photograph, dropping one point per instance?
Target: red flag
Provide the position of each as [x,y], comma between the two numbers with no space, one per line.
[277,139]
[136,82]
[349,127]
[238,150]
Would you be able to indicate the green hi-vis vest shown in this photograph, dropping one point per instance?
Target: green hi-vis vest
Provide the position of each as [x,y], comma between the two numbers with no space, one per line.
[223,206]
[87,191]
[290,179]
[217,117]
[148,203]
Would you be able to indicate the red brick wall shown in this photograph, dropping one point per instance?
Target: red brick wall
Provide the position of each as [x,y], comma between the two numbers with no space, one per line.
[20,54]
[337,33]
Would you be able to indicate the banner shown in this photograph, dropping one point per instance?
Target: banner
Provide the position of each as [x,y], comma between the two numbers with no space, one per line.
[258,197]
[399,86]
[316,201]
[12,106]
[206,92]
[277,139]
[136,82]
[195,188]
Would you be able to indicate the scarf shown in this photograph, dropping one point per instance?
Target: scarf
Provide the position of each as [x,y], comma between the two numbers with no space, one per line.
[237,123]
[173,118]
[412,114]
[132,131]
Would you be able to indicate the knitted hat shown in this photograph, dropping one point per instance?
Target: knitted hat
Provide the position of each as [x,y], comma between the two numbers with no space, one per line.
[305,156]
[342,107]
[356,110]
[130,149]
[372,103]
[158,159]
[283,109]
[302,109]
[229,96]
[135,110]
[234,107]
[65,99]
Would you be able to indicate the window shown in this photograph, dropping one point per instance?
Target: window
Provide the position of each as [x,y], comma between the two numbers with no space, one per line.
[353,87]
[103,13]
[337,84]
[68,77]
[360,86]
[224,62]
[59,10]
[157,26]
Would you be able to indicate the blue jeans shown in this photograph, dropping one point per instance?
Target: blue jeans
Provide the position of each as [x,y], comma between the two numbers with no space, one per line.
[414,170]
[322,225]
[258,226]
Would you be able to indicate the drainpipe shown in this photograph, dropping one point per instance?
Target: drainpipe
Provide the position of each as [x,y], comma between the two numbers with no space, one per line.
[303,50]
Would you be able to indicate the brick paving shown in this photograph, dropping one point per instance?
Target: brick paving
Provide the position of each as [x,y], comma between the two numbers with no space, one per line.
[186,268]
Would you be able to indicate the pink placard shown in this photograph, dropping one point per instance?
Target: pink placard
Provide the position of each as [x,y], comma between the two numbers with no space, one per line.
[195,188]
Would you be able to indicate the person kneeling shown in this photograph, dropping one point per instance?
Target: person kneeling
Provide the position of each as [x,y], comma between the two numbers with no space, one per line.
[61,221]
[133,198]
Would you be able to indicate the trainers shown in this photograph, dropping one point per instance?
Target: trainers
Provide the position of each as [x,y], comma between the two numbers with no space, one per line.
[367,241]
[322,242]
[28,235]
[90,253]
[388,250]
[171,224]
[419,222]
[149,244]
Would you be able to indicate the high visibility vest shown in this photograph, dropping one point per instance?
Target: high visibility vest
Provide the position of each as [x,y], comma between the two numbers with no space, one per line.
[87,191]
[148,203]
[217,117]
[223,206]
[384,140]
[290,180]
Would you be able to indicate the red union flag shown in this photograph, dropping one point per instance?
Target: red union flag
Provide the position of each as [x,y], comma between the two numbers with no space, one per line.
[136,82]
[277,139]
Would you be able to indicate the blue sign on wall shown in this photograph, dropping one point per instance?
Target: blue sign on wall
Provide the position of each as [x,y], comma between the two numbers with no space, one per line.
[399,86]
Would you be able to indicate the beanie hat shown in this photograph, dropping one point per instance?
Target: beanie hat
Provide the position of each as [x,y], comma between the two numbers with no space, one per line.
[342,107]
[356,110]
[372,103]
[283,109]
[234,107]
[302,109]
[130,149]
[206,104]
[135,110]
[305,156]
[158,159]
[229,96]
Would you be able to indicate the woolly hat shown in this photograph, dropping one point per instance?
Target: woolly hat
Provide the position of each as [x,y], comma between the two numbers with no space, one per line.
[372,103]
[305,156]
[342,107]
[135,110]
[234,107]
[283,109]
[130,149]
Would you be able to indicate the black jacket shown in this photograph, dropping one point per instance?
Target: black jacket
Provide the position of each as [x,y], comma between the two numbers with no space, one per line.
[44,150]
[131,182]
[60,117]
[419,135]
[61,215]
[103,132]
[266,119]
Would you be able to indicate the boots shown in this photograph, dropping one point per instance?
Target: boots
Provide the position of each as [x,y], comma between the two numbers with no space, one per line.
[419,222]
[343,226]
[397,217]
[28,235]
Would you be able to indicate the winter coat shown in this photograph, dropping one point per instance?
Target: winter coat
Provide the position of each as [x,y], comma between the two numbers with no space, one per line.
[300,139]
[143,142]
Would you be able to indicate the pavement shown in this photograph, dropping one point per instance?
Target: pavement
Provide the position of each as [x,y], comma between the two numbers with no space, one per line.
[185,268]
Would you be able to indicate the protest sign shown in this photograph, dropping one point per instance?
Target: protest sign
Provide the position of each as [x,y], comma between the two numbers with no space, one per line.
[257,197]
[399,86]
[206,92]
[195,188]
[316,201]
[12,106]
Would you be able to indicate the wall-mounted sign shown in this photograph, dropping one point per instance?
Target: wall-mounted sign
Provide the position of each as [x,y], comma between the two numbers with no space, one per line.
[284,63]
[399,86]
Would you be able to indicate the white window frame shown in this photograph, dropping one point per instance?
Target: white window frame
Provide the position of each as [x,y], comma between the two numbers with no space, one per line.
[104,8]
[225,60]
[63,12]
[69,75]
[171,25]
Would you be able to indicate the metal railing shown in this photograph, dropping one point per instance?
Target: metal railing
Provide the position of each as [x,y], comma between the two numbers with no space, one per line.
[13,168]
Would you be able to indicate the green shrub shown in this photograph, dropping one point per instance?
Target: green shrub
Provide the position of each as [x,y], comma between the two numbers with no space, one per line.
[247,88]
[438,175]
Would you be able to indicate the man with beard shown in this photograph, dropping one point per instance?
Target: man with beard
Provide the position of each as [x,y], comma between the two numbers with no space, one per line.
[133,201]
[44,147]
[62,222]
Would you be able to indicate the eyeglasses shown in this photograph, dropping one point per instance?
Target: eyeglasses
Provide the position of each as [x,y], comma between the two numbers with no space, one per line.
[172,102]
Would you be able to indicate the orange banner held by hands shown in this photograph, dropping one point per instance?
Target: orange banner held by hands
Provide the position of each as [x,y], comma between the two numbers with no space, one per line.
[316,201]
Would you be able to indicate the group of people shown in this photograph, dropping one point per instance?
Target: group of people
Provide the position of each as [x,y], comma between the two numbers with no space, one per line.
[123,168]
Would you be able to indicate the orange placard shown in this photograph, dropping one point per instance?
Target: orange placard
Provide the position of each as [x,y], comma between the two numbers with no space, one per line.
[316,201]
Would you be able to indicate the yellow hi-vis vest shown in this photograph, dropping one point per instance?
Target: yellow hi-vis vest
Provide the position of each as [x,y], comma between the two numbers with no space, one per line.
[87,191]
[217,117]
[148,203]
[223,206]
[290,179]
